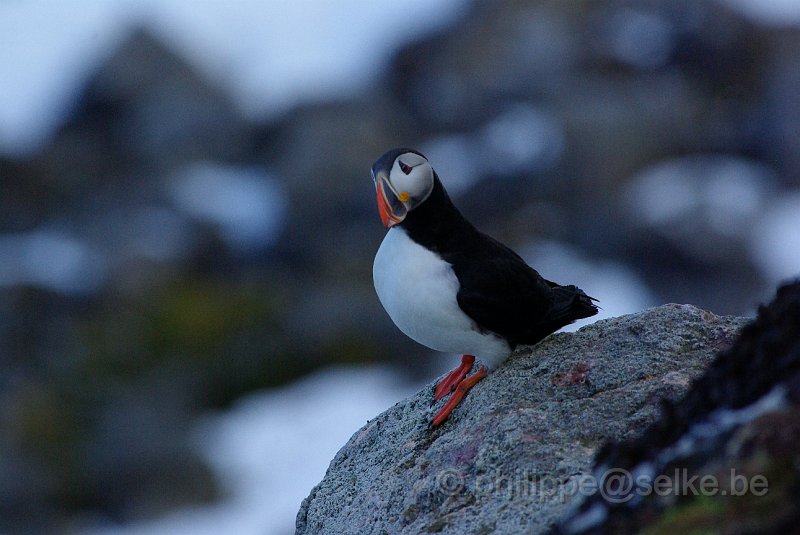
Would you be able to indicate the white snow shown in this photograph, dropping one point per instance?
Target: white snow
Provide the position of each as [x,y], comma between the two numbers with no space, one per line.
[523,139]
[620,289]
[640,37]
[779,13]
[455,157]
[775,240]
[50,259]
[706,204]
[245,203]
[520,139]
[272,447]
[724,191]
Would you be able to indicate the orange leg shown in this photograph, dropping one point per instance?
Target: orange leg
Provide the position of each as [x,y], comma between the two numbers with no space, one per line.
[461,390]
[449,383]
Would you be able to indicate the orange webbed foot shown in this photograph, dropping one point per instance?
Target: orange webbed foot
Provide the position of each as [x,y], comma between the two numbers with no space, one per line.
[461,390]
[449,383]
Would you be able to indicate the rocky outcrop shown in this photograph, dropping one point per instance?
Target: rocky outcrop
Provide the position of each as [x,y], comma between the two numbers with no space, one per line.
[725,456]
[521,444]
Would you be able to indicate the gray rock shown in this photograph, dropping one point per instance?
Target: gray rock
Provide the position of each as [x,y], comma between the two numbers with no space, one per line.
[736,431]
[515,450]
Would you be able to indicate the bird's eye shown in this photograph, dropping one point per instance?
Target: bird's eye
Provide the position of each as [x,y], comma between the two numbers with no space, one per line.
[403,167]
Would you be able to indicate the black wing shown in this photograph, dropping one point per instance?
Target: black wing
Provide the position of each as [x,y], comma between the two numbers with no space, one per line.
[503,294]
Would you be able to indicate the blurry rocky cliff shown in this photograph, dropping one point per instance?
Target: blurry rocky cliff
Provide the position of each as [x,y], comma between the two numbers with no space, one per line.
[164,253]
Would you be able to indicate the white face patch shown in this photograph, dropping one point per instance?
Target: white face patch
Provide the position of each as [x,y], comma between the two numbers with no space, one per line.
[412,179]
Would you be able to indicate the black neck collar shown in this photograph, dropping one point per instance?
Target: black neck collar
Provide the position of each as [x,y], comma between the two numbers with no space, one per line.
[436,223]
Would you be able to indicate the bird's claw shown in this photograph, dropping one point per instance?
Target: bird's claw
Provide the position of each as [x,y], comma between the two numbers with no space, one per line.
[458,394]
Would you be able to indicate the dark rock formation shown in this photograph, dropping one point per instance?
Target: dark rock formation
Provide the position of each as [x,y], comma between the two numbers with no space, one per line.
[726,453]
[518,446]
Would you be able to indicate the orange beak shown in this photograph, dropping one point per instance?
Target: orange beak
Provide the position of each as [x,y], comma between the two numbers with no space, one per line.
[388,217]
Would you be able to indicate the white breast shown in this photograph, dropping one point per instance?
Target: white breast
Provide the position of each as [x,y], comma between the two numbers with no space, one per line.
[418,290]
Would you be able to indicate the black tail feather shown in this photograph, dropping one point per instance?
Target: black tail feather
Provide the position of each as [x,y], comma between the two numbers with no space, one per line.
[571,303]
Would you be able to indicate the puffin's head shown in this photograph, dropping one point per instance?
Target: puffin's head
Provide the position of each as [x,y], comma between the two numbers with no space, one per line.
[403,180]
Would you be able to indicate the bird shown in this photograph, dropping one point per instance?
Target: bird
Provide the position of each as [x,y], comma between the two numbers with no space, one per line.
[452,288]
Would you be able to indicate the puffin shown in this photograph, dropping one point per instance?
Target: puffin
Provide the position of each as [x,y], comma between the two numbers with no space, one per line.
[452,288]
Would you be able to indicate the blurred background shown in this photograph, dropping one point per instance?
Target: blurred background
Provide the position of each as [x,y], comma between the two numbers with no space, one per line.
[188,329]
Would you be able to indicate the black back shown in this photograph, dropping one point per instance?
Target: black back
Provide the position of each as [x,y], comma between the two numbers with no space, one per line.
[499,291]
